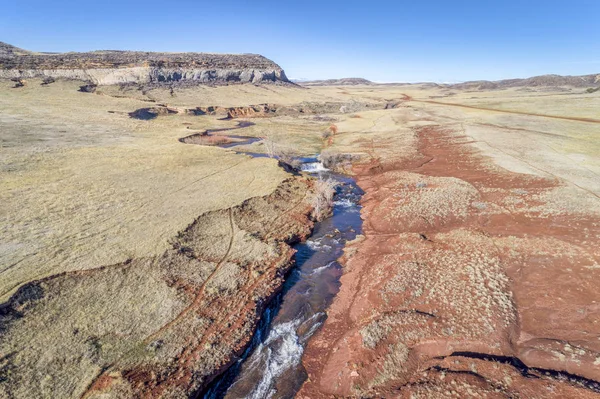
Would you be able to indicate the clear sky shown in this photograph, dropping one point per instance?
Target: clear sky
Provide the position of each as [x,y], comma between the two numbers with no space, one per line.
[400,41]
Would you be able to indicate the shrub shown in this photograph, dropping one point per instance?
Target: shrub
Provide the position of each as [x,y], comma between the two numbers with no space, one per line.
[326,134]
[329,133]
[47,80]
[592,89]
[19,82]
[91,88]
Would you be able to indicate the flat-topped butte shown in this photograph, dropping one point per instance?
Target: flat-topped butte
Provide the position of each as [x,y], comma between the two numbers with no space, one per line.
[118,67]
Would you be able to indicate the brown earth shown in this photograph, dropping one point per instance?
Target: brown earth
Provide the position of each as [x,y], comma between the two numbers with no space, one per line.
[469,282]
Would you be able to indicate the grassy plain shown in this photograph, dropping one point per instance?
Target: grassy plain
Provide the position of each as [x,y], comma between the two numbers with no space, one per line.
[84,186]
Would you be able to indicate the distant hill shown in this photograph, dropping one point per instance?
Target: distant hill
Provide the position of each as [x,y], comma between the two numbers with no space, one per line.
[6,50]
[536,81]
[117,67]
[336,82]
[585,81]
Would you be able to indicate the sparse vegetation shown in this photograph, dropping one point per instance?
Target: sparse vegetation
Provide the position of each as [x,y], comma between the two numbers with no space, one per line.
[104,182]
[329,134]
[592,89]
[88,88]
[47,80]
[19,82]
[324,118]
[269,146]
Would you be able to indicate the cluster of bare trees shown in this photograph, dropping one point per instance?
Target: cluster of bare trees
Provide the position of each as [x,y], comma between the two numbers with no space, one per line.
[324,190]
[284,154]
[337,161]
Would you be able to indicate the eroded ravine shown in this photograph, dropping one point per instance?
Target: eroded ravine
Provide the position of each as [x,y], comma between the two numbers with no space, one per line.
[271,367]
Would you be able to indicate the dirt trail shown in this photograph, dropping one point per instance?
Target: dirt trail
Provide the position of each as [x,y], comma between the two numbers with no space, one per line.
[566,118]
[471,280]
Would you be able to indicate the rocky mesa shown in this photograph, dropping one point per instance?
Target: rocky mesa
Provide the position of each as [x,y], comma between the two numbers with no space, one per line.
[139,67]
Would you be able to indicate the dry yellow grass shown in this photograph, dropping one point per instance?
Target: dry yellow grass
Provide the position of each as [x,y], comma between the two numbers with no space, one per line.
[82,185]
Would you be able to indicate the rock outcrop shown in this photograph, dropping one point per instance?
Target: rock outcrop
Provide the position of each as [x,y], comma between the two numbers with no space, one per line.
[123,67]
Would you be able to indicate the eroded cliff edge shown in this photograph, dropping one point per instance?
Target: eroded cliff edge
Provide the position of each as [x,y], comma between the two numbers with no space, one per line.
[139,67]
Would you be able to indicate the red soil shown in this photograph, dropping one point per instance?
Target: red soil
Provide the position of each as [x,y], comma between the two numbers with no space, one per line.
[468,282]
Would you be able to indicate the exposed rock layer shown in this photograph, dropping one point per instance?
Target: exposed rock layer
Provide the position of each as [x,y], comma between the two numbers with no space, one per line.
[123,67]
[260,110]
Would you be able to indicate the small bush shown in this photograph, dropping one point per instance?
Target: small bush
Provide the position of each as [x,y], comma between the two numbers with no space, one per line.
[592,89]
[19,82]
[326,134]
[91,88]
[48,80]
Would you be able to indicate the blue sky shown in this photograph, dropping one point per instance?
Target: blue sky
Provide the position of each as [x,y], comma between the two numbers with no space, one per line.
[407,41]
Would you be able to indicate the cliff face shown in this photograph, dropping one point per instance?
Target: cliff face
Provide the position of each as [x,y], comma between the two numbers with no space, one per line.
[119,67]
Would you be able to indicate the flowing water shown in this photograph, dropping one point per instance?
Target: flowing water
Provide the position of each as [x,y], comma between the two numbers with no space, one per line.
[271,367]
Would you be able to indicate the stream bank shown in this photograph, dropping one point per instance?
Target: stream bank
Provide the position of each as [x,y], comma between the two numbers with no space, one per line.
[271,367]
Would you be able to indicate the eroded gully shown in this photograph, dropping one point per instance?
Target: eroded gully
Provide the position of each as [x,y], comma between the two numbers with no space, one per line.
[271,367]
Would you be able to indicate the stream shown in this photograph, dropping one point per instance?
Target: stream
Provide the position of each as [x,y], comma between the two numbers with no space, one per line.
[271,367]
